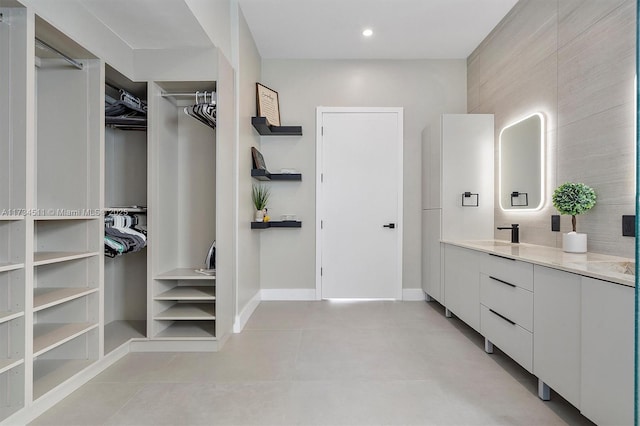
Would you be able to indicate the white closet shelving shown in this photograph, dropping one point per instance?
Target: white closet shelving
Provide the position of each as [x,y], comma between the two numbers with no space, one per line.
[13,205]
[125,280]
[184,163]
[65,218]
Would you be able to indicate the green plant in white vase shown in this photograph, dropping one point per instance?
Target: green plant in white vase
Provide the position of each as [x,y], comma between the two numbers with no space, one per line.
[260,196]
[574,199]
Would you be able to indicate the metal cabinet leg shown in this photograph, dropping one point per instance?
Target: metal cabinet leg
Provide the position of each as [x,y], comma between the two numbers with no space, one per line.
[447,313]
[427,298]
[488,346]
[544,391]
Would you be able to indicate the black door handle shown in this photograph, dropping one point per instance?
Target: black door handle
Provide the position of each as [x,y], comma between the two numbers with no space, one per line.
[390,226]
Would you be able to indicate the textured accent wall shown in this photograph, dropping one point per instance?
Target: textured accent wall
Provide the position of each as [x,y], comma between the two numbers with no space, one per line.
[574,61]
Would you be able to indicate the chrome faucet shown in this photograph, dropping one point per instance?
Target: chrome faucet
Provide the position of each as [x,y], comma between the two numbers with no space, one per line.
[515,232]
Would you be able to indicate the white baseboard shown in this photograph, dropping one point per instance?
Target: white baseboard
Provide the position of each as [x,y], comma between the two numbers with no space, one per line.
[288,294]
[245,314]
[413,294]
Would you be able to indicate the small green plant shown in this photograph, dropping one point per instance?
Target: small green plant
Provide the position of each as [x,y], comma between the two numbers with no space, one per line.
[260,195]
[574,199]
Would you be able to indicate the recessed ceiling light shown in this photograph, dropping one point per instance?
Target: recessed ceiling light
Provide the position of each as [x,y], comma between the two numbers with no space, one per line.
[368,32]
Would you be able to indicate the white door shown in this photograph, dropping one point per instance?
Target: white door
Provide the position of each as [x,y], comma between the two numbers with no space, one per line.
[359,203]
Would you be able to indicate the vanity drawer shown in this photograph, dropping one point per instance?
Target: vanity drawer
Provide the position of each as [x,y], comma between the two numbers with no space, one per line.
[509,270]
[512,339]
[511,301]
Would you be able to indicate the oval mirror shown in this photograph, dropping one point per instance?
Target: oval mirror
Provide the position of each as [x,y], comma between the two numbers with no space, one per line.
[521,171]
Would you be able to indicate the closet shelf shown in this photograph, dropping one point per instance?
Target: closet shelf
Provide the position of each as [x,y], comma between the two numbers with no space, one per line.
[49,373]
[44,298]
[5,267]
[11,218]
[189,330]
[68,217]
[261,126]
[276,224]
[133,209]
[184,274]
[8,364]
[260,174]
[119,332]
[48,257]
[50,336]
[188,293]
[188,311]
[8,316]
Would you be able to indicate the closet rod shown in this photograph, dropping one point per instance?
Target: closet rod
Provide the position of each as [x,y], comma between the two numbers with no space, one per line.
[73,62]
[171,94]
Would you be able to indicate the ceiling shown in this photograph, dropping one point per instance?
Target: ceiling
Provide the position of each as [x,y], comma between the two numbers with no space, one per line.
[403,29]
[150,24]
[320,29]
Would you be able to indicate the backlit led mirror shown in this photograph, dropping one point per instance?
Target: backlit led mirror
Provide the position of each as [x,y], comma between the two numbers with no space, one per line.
[521,173]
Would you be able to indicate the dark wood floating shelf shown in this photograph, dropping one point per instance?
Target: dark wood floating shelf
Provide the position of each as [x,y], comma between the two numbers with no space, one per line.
[260,123]
[260,174]
[276,224]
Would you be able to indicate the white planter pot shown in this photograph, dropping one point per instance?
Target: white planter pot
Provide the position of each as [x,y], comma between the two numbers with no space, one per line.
[259,215]
[574,242]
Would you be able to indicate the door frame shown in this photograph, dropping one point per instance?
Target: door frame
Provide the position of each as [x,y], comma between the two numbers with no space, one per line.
[319,167]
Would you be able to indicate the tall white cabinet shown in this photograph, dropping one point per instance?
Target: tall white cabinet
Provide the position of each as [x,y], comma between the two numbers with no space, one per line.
[66,311]
[457,159]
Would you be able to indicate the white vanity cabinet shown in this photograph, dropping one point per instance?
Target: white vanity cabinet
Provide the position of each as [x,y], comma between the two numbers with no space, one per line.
[506,310]
[556,331]
[462,284]
[606,389]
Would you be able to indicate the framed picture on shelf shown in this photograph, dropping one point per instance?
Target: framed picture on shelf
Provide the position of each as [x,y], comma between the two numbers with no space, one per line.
[258,159]
[268,104]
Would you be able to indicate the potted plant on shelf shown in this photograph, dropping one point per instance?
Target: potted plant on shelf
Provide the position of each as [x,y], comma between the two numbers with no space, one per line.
[574,199]
[260,195]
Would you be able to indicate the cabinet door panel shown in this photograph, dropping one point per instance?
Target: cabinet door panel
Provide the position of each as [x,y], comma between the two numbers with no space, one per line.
[607,352]
[556,331]
[462,284]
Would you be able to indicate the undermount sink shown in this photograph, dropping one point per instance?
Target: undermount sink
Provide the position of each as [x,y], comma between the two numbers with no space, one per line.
[626,268]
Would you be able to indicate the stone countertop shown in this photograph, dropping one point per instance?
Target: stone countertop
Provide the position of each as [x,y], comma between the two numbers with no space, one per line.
[616,269]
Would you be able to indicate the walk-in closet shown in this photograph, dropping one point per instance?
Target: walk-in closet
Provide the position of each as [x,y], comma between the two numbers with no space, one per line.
[125,264]
[109,209]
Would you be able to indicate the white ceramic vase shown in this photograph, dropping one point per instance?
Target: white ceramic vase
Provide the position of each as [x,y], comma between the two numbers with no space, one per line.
[574,242]
[259,215]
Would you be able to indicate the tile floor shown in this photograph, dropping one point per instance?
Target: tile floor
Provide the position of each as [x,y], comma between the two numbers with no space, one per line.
[322,363]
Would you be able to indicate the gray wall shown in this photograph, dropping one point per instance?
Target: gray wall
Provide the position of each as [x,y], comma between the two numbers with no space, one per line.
[574,61]
[425,88]
[248,241]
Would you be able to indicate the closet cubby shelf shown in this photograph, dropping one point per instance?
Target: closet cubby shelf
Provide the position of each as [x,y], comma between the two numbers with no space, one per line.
[260,174]
[8,364]
[49,257]
[44,298]
[188,311]
[189,330]
[184,274]
[261,126]
[49,336]
[189,293]
[276,224]
[8,316]
[6,267]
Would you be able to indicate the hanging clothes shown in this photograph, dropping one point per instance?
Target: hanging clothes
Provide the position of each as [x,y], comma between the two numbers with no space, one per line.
[123,234]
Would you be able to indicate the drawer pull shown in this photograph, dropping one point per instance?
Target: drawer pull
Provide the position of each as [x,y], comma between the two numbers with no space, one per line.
[502,316]
[503,282]
[501,257]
